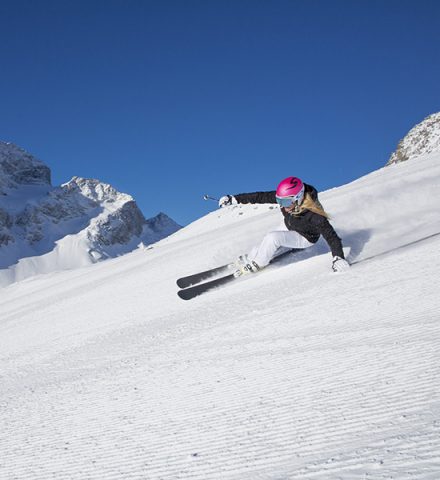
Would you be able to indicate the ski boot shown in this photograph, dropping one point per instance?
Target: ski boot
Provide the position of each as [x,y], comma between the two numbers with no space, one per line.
[244,266]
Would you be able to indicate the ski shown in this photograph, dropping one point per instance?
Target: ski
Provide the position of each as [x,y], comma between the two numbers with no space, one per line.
[200,277]
[190,280]
[194,285]
[196,290]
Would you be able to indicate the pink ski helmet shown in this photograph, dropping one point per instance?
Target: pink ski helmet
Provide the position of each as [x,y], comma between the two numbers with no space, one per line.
[289,191]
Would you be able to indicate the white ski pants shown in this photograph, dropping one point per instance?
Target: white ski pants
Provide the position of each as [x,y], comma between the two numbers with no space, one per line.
[275,243]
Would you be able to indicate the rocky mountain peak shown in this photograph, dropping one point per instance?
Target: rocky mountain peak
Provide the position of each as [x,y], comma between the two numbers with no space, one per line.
[18,167]
[160,225]
[423,139]
[95,190]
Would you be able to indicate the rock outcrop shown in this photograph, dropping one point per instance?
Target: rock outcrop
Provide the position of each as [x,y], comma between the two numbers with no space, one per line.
[423,139]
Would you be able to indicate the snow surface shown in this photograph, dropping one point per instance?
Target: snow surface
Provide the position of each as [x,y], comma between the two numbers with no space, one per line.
[294,373]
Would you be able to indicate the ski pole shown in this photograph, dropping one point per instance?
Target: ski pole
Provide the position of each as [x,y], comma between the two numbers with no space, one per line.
[207,197]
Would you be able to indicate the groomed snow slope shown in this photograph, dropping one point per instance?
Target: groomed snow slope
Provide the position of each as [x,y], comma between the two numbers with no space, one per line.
[294,373]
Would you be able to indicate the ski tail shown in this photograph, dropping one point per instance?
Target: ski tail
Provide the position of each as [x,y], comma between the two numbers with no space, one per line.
[200,288]
[196,278]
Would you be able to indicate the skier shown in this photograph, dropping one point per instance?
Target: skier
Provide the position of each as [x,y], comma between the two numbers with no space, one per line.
[305,221]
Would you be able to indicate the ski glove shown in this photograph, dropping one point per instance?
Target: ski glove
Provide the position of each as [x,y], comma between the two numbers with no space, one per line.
[339,264]
[227,200]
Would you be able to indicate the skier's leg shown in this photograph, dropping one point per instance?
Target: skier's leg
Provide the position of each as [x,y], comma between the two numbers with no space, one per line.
[274,243]
[280,250]
[254,251]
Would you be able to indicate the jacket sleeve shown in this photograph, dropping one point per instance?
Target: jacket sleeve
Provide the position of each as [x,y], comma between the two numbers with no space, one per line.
[256,197]
[330,236]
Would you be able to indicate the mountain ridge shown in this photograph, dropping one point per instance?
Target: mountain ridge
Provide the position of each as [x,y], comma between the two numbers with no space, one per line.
[38,220]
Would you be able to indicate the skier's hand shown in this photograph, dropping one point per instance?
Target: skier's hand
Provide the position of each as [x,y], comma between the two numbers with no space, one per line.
[339,264]
[227,200]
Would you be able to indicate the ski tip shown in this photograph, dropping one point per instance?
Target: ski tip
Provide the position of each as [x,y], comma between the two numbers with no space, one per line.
[183,294]
[184,283]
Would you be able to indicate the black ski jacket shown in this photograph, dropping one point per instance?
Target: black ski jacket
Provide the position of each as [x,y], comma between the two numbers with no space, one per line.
[308,224]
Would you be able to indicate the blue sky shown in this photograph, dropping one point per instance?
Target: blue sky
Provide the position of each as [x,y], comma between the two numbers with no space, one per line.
[169,100]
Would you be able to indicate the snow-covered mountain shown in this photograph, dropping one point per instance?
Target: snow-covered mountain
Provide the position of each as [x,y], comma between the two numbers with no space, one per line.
[45,228]
[295,373]
[423,139]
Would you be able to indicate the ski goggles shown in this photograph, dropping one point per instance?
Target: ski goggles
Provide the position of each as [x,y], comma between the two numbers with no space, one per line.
[288,201]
